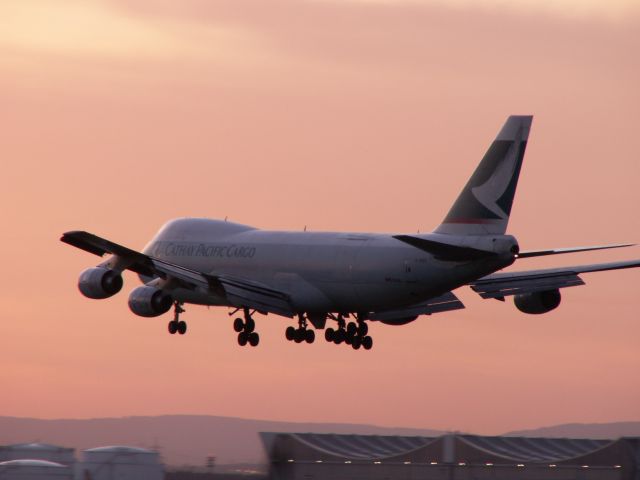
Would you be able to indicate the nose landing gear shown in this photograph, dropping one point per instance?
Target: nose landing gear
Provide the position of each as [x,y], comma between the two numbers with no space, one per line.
[176,325]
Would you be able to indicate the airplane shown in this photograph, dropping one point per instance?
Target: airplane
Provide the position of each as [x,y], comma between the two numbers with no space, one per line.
[348,278]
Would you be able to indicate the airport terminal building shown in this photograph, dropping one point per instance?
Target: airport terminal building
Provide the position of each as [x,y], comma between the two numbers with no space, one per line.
[294,456]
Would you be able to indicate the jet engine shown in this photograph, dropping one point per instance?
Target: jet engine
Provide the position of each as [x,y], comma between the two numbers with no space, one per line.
[99,282]
[149,301]
[398,321]
[538,302]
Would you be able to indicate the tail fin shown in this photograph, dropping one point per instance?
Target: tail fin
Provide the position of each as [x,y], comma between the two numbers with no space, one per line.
[484,205]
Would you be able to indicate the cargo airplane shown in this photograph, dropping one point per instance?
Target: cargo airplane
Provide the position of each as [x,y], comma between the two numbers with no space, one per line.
[347,278]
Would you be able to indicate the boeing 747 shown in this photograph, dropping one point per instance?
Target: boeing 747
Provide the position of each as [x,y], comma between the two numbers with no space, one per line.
[347,278]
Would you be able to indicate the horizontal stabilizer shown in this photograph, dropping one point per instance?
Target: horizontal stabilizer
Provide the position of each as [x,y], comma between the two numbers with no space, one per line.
[444,251]
[557,251]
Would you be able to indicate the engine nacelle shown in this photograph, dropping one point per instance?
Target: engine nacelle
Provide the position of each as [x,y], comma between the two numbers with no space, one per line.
[538,302]
[398,321]
[149,301]
[99,282]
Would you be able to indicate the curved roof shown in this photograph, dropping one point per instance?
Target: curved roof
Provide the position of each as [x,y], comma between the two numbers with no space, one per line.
[534,449]
[445,448]
[362,446]
[36,446]
[119,449]
[28,462]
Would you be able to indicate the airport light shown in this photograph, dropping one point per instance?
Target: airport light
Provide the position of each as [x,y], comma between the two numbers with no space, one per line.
[407,463]
[489,464]
[318,461]
[433,463]
[520,465]
[290,460]
[347,461]
[553,465]
[461,464]
[617,466]
[377,462]
[585,466]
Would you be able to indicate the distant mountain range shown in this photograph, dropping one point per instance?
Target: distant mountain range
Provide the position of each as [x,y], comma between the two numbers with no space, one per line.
[189,439]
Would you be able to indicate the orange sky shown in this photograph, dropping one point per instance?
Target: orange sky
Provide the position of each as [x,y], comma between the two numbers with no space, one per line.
[353,115]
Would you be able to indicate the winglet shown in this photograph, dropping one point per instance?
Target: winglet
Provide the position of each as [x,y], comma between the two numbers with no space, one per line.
[484,205]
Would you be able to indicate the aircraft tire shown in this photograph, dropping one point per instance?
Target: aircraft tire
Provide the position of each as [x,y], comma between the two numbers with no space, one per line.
[290,333]
[328,334]
[254,339]
[367,342]
[182,327]
[299,338]
[338,336]
[352,328]
[356,343]
[363,329]
[173,327]
[309,336]
[238,325]
[243,338]
[250,325]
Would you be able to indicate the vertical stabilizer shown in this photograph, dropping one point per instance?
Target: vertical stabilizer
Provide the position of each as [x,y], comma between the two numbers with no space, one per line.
[484,205]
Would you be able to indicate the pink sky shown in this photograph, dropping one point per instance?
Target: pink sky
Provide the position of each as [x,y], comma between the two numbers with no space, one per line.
[364,116]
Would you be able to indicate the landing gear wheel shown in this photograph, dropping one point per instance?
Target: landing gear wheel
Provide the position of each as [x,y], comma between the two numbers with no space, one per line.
[238,325]
[173,327]
[300,335]
[352,328]
[254,339]
[250,325]
[338,336]
[355,344]
[309,336]
[290,333]
[328,334]
[182,327]
[367,342]
[243,338]
[363,329]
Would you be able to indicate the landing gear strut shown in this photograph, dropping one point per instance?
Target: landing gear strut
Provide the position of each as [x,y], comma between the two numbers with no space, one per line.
[245,329]
[302,333]
[177,325]
[353,333]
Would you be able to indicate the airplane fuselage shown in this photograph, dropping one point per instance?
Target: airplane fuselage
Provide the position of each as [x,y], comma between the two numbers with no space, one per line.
[322,271]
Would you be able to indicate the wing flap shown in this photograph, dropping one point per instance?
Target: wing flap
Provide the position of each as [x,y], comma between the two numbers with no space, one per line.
[499,285]
[443,303]
[245,293]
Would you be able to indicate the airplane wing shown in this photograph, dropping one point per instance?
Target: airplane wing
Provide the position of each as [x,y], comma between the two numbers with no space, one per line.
[238,291]
[443,303]
[500,285]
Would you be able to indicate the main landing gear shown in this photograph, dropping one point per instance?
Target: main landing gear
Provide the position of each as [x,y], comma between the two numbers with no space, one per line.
[245,329]
[354,334]
[177,325]
[302,333]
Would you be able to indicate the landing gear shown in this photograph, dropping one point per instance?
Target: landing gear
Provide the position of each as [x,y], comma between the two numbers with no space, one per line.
[176,325]
[245,329]
[353,333]
[302,333]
